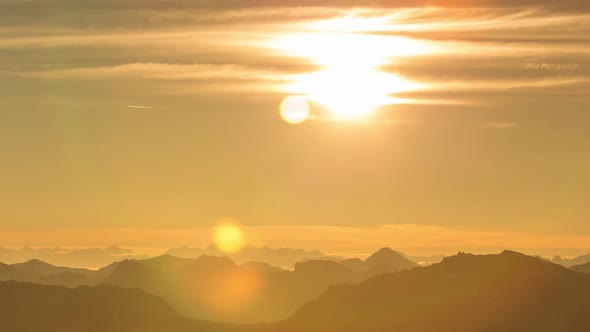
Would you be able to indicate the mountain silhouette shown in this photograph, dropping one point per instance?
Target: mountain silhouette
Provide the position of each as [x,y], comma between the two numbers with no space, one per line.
[42,268]
[390,257]
[40,272]
[93,258]
[508,292]
[581,268]
[28,307]
[281,257]
[580,260]
[385,260]
[216,288]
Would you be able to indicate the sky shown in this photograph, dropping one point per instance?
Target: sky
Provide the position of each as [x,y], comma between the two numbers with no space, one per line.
[434,126]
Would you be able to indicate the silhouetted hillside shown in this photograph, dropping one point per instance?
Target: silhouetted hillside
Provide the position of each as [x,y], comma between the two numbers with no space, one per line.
[42,273]
[385,260]
[581,268]
[390,257]
[83,257]
[216,288]
[28,307]
[281,257]
[571,262]
[42,268]
[509,292]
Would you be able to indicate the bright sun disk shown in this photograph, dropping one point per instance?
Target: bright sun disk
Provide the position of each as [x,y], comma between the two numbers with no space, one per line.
[350,83]
[228,238]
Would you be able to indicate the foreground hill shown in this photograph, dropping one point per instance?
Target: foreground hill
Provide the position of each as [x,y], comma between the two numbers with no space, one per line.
[28,307]
[509,292]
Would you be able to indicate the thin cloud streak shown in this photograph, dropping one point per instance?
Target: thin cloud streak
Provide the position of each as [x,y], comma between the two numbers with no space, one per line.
[226,56]
[501,125]
[139,107]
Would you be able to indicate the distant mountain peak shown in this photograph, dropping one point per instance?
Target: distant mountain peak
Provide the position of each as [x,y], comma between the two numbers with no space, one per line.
[513,253]
[35,261]
[389,256]
[385,250]
[207,260]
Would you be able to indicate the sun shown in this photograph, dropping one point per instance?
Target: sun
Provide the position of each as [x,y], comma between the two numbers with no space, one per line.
[228,238]
[351,81]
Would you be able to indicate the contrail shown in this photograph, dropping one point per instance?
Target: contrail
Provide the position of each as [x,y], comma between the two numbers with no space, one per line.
[139,107]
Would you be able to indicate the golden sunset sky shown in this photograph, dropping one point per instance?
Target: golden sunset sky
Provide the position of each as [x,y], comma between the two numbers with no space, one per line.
[432,128]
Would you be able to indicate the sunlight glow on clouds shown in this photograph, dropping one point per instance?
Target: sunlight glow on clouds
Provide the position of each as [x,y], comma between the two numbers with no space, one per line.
[350,83]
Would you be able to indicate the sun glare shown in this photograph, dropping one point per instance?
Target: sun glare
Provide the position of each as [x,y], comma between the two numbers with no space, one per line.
[351,82]
[228,238]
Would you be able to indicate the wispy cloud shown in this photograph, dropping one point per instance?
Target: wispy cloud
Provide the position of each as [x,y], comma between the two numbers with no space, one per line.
[501,125]
[470,50]
[139,107]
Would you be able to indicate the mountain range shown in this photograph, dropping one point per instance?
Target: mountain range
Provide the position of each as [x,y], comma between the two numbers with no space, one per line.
[217,288]
[579,260]
[281,257]
[92,258]
[581,267]
[507,292]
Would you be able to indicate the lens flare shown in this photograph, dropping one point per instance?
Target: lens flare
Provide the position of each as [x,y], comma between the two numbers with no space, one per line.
[294,109]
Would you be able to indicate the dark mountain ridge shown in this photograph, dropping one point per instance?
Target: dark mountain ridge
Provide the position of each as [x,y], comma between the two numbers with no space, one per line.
[28,307]
[508,292]
[252,291]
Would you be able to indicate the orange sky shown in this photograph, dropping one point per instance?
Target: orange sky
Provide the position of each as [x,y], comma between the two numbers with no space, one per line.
[144,127]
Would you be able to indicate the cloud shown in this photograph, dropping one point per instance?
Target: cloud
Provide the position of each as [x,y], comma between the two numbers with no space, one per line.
[472,52]
[501,125]
[163,71]
[139,107]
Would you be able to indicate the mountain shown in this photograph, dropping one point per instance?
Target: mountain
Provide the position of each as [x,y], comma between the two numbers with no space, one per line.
[571,262]
[509,292]
[385,260]
[42,268]
[281,257]
[29,307]
[9,272]
[40,272]
[426,260]
[390,257]
[216,288]
[581,268]
[92,258]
